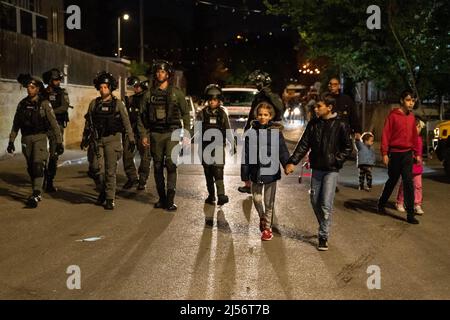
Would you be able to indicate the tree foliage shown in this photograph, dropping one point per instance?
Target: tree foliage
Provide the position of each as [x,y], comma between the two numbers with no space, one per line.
[411,48]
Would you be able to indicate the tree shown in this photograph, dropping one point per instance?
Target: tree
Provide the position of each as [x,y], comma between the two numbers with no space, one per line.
[410,49]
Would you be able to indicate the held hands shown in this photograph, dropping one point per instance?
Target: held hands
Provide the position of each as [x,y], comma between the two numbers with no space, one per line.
[145,142]
[289,169]
[84,144]
[11,148]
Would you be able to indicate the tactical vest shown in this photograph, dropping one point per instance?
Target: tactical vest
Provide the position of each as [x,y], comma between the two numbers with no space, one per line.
[55,97]
[32,117]
[213,120]
[161,112]
[106,118]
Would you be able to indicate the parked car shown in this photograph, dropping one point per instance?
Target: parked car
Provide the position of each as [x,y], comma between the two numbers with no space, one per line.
[238,101]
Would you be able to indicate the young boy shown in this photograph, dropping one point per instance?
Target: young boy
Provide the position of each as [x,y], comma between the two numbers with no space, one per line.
[398,146]
[214,116]
[327,138]
[261,164]
[366,159]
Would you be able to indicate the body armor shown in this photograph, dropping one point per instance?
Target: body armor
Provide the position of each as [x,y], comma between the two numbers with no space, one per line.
[32,117]
[106,118]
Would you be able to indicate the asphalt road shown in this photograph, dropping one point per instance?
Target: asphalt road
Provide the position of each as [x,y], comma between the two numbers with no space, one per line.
[201,252]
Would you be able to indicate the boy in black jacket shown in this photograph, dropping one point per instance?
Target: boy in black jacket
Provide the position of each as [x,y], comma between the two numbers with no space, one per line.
[328,138]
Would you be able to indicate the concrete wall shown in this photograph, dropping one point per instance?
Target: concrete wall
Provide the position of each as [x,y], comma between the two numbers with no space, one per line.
[10,95]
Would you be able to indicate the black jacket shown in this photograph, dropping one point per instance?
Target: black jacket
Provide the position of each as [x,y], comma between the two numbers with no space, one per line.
[329,142]
[346,110]
[251,170]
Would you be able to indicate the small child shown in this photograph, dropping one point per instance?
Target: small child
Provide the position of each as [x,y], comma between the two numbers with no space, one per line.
[258,171]
[327,139]
[417,177]
[366,159]
[213,116]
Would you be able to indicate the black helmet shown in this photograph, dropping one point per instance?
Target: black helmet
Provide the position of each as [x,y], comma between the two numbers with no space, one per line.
[213,91]
[162,65]
[52,74]
[105,77]
[260,79]
[26,79]
[141,81]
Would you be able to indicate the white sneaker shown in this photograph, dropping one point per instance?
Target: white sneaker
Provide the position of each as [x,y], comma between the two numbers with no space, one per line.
[418,210]
[400,207]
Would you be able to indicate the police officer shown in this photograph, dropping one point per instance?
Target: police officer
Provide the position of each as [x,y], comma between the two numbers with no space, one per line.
[214,116]
[35,118]
[107,117]
[262,81]
[164,108]
[59,100]
[133,104]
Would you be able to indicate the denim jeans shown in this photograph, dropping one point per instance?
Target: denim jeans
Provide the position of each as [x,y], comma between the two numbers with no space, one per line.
[323,190]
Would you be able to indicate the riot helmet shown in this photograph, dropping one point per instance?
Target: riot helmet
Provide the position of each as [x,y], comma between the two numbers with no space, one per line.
[52,74]
[260,79]
[141,81]
[162,65]
[213,91]
[107,78]
[26,79]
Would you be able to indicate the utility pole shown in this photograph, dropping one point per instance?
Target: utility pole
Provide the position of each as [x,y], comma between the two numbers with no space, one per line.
[141,21]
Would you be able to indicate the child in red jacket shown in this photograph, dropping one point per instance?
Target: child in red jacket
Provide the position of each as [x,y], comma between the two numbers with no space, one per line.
[398,148]
[417,177]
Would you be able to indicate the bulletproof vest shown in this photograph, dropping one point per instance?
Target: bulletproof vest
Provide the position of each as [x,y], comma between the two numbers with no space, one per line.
[55,97]
[213,119]
[32,118]
[161,111]
[107,120]
[133,106]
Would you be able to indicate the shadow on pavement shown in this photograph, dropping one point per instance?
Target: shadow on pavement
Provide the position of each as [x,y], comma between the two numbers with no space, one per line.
[14,195]
[440,177]
[72,197]
[302,236]
[369,206]
[247,205]
[17,180]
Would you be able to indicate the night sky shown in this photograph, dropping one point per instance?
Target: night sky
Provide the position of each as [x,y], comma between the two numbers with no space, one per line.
[202,40]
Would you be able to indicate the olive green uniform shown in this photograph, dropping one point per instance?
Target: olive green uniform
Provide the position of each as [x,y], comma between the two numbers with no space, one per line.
[214,119]
[163,112]
[34,119]
[59,100]
[133,105]
[109,118]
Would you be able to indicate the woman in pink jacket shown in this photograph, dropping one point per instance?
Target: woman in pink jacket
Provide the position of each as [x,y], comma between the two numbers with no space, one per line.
[417,177]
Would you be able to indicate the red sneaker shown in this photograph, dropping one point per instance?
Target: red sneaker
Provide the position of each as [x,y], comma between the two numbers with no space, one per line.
[267,235]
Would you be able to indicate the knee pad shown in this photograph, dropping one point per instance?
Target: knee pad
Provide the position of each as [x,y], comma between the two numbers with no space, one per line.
[38,169]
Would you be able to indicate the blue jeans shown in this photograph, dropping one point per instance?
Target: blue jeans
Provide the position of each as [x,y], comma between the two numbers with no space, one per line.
[323,190]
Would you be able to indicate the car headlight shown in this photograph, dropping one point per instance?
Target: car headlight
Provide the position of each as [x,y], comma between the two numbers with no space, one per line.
[297,111]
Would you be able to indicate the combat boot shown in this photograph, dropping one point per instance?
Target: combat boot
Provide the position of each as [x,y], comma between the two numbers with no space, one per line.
[130,183]
[142,184]
[211,199]
[101,199]
[170,197]
[49,187]
[223,199]
[34,199]
[109,204]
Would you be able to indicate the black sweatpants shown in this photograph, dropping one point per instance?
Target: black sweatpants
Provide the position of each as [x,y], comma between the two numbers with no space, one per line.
[400,164]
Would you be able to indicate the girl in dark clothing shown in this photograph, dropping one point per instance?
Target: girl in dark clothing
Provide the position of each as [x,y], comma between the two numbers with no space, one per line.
[265,149]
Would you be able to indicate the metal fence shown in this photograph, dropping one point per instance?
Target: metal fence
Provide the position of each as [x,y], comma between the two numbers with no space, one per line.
[23,54]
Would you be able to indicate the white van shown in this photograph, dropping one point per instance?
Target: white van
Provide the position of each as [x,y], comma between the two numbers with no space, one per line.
[238,101]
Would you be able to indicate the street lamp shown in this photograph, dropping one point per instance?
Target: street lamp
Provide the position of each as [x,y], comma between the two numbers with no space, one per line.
[125,17]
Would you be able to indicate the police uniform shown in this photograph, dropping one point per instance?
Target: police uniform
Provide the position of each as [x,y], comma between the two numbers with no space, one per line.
[133,105]
[59,100]
[35,118]
[108,119]
[162,113]
[214,118]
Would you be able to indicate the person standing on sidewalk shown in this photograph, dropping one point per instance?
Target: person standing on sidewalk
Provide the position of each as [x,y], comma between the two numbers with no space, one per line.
[366,159]
[133,105]
[417,177]
[35,119]
[59,100]
[327,139]
[398,148]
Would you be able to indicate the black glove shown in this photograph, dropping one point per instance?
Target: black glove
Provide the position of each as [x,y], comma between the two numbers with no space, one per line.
[59,149]
[84,144]
[11,147]
[132,146]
